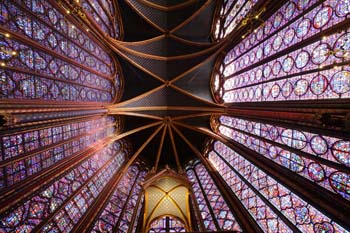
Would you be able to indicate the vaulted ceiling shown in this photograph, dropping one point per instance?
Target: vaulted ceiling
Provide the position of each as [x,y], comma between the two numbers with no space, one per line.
[165,107]
[167,56]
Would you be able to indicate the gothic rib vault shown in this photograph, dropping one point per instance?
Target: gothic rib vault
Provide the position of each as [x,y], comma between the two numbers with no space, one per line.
[172,75]
[165,63]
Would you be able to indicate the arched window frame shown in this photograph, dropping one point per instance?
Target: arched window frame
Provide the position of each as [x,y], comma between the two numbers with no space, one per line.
[214,222]
[133,196]
[274,87]
[328,168]
[36,81]
[221,27]
[168,227]
[234,169]
[64,199]
[28,153]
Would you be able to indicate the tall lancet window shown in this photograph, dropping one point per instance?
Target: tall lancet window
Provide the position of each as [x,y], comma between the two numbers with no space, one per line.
[122,210]
[27,153]
[320,159]
[230,15]
[60,203]
[214,211]
[47,56]
[104,13]
[274,207]
[300,53]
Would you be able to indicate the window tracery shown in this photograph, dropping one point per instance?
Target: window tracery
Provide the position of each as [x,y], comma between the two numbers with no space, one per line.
[215,214]
[122,205]
[103,12]
[307,154]
[230,16]
[25,154]
[283,61]
[54,59]
[167,224]
[67,198]
[264,197]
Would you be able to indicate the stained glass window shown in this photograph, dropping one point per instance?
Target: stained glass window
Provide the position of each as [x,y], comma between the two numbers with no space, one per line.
[122,205]
[298,151]
[34,151]
[264,197]
[214,211]
[80,185]
[272,64]
[230,16]
[56,61]
[103,13]
[137,214]
[167,224]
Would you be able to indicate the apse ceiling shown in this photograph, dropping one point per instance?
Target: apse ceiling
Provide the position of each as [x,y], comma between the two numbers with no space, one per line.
[167,56]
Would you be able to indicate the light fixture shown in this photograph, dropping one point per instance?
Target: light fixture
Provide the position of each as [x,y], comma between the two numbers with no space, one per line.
[72,8]
[8,51]
[342,53]
[250,20]
[5,50]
